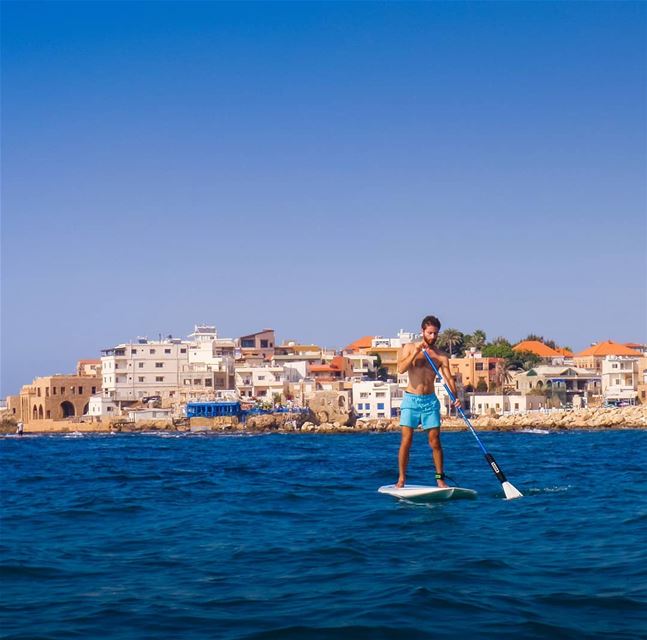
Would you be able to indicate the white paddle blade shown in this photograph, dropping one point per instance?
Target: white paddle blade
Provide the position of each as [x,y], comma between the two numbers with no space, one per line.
[510,491]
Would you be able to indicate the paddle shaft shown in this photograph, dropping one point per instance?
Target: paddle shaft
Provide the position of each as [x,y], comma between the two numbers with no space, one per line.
[488,456]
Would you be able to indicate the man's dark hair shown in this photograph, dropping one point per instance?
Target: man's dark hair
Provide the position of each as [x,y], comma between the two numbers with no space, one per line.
[430,320]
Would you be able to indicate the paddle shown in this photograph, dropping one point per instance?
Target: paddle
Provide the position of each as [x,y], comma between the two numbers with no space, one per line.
[509,490]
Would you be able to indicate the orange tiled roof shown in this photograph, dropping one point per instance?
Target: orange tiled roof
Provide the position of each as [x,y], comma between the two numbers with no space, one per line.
[89,361]
[564,352]
[362,343]
[608,348]
[336,365]
[633,345]
[538,348]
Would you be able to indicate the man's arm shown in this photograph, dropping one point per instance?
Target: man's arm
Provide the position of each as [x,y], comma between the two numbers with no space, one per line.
[407,355]
[449,378]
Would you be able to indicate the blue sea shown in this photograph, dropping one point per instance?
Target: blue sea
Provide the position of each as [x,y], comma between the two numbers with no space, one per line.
[285,537]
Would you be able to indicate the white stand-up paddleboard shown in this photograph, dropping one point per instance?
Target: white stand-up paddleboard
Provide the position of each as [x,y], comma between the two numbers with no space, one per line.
[421,493]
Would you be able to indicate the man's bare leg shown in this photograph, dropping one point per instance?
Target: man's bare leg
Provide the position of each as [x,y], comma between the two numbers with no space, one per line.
[403,455]
[437,452]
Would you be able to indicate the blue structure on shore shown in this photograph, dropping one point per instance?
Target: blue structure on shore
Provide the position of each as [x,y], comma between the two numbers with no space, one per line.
[213,409]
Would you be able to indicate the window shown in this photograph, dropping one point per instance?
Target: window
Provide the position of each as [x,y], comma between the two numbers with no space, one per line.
[62,391]
[247,343]
[380,405]
[261,377]
[47,392]
[167,351]
[159,378]
[140,365]
[151,351]
[478,366]
[80,390]
[516,405]
[159,365]
[360,406]
[207,382]
[264,344]
[363,394]
[133,352]
[182,350]
[108,408]
[94,390]
[380,394]
[380,414]
[187,381]
[53,391]
[197,381]
[140,379]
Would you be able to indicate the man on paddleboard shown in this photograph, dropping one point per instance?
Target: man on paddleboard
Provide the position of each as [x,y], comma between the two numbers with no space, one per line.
[420,406]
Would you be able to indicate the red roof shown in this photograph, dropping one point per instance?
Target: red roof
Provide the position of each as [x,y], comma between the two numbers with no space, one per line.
[538,348]
[89,361]
[336,365]
[608,348]
[362,343]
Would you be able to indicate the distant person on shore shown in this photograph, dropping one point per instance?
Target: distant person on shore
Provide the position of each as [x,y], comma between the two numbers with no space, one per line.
[420,406]
[20,427]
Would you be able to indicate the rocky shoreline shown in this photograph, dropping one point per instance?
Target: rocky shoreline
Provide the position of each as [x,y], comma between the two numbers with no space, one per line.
[583,419]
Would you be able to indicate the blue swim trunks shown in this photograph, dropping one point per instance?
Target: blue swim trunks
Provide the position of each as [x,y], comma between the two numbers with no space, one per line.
[420,410]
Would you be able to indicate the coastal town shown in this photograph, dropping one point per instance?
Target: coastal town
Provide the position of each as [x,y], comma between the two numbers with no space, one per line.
[206,381]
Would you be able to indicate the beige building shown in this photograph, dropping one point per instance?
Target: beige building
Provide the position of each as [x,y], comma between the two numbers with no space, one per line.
[260,383]
[54,398]
[562,382]
[477,371]
[592,357]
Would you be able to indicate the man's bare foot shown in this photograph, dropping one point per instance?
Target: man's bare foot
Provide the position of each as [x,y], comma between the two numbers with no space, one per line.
[399,484]
[442,484]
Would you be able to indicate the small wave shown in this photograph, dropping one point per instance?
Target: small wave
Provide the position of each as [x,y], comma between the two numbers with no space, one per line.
[540,490]
[543,432]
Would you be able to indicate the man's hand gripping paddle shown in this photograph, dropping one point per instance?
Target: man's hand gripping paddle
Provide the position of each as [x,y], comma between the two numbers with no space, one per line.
[509,490]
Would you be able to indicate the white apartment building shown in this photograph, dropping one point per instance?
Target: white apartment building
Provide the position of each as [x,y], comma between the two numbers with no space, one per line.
[485,403]
[260,382]
[376,399]
[620,378]
[99,406]
[174,369]
[136,370]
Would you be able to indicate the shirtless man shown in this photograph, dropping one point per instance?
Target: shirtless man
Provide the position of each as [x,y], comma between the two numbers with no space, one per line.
[420,404]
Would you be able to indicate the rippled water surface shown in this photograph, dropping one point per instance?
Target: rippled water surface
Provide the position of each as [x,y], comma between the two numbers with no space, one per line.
[277,536]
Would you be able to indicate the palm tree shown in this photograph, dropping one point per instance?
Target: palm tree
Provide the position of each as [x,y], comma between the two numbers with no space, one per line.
[476,340]
[450,338]
[504,375]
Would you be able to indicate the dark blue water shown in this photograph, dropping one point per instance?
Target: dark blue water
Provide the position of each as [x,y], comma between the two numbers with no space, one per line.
[136,536]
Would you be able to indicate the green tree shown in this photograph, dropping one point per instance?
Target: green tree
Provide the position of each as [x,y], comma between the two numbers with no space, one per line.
[450,339]
[481,386]
[498,350]
[523,360]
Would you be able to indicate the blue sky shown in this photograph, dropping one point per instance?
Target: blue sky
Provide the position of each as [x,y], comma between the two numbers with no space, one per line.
[329,170]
